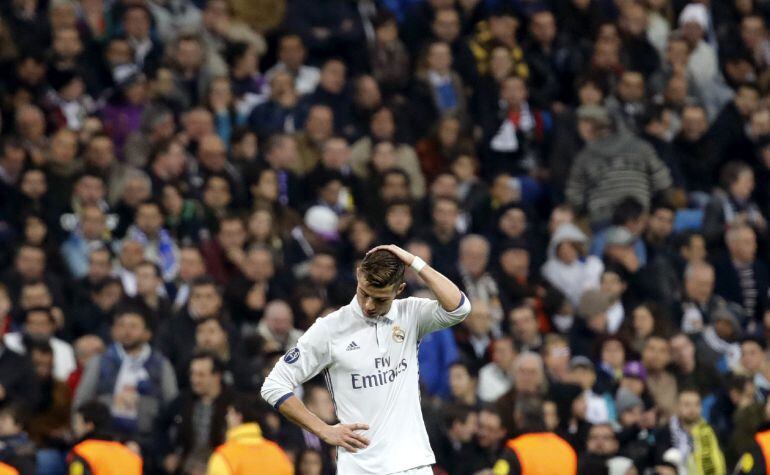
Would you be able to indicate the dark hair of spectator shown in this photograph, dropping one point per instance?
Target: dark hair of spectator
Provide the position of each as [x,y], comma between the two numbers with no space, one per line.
[383,17]
[246,408]
[627,210]
[96,413]
[129,308]
[46,310]
[204,281]
[754,339]
[43,347]
[382,269]
[731,172]
[217,366]
[471,369]
[456,413]
[106,282]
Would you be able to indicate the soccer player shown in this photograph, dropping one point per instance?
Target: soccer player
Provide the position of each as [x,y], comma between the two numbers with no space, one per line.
[368,353]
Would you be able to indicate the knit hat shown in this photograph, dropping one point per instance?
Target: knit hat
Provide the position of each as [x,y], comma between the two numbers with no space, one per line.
[635,369]
[695,13]
[728,313]
[322,221]
[625,400]
[593,302]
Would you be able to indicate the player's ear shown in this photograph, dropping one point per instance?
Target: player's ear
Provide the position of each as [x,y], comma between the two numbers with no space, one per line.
[401,288]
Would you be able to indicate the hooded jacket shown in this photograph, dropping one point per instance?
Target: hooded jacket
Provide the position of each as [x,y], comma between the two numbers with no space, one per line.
[574,278]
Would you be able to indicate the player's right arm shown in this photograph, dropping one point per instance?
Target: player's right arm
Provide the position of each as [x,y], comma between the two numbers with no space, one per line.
[311,355]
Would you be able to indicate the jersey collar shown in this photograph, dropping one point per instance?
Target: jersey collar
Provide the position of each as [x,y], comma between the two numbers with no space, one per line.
[387,318]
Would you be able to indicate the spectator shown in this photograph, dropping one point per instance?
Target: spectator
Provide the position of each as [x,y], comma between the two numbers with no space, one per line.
[177,335]
[51,421]
[529,380]
[689,371]
[194,424]
[463,383]
[524,328]
[224,256]
[732,204]
[566,269]
[475,335]
[592,322]
[18,450]
[589,184]
[277,327]
[40,327]
[687,435]
[456,450]
[134,380]
[496,377]
[599,407]
[474,251]
[656,357]
[741,278]
[158,245]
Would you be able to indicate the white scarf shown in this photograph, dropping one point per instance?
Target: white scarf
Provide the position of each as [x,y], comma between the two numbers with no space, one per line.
[131,373]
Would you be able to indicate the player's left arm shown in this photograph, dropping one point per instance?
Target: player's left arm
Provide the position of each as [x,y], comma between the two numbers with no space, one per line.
[452,305]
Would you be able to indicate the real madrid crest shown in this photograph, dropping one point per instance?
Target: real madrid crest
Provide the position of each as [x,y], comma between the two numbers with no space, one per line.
[398,334]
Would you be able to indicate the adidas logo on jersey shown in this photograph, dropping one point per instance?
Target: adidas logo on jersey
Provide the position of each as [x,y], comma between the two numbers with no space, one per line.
[352,346]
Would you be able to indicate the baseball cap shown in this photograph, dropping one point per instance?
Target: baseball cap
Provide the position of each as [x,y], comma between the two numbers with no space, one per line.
[635,369]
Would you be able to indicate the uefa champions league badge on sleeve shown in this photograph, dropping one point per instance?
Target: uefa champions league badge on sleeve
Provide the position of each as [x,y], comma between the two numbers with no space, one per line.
[291,356]
[398,334]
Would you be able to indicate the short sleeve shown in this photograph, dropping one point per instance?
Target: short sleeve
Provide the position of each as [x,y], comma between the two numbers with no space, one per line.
[431,317]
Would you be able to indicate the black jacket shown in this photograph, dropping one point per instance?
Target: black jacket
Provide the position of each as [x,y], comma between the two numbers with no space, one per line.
[17,377]
[728,285]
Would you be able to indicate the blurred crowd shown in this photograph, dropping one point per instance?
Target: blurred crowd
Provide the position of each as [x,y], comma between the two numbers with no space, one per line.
[187,185]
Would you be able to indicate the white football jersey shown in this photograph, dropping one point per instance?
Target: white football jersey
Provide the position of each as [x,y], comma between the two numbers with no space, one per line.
[370,368]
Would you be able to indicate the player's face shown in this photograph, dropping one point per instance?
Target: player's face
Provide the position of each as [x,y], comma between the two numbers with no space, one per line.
[376,301]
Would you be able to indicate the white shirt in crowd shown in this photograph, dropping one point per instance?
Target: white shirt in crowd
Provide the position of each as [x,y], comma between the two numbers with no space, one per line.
[370,367]
[63,355]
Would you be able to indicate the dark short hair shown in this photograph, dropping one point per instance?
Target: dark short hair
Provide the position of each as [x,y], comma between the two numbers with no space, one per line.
[204,281]
[40,346]
[133,308]
[217,366]
[456,413]
[247,408]
[629,208]
[45,310]
[96,413]
[382,269]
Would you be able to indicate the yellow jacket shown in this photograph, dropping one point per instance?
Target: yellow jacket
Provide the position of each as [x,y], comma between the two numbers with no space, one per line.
[245,451]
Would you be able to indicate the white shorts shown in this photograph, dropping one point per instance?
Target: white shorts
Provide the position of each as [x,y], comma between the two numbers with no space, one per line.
[424,470]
